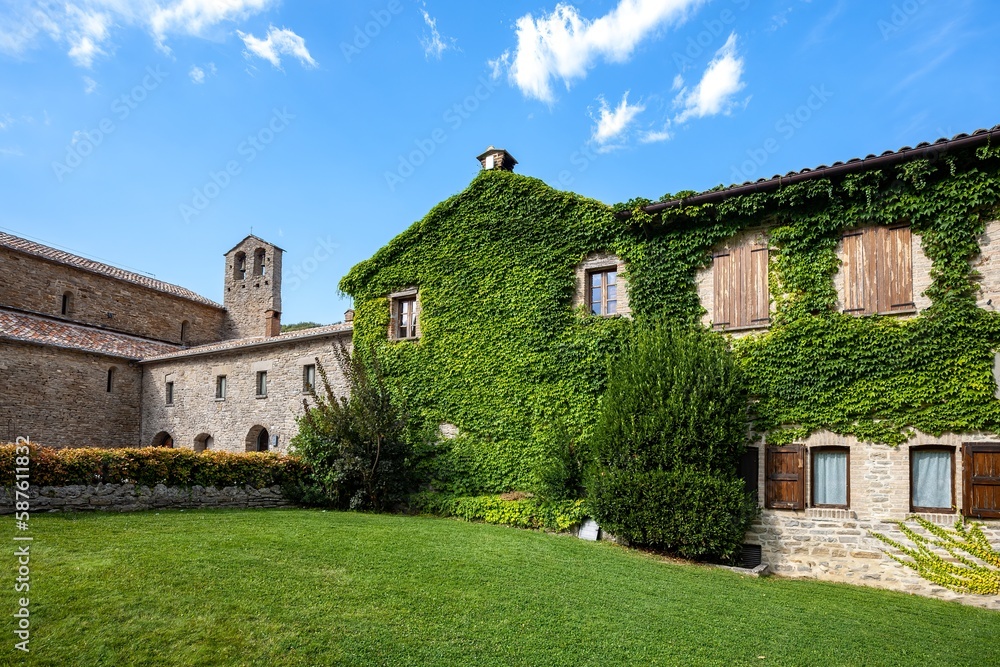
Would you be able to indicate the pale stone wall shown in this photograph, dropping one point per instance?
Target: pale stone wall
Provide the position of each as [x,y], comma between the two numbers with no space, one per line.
[247,300]
[602,260]
[197,412]
[132,498]
[58,397]
[37,285]
[987,265]
[835,544]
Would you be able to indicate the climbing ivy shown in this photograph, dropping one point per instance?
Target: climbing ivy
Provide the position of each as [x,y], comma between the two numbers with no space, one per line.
[505,357]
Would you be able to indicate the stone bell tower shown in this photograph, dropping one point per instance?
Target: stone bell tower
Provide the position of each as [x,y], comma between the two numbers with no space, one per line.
[252,294]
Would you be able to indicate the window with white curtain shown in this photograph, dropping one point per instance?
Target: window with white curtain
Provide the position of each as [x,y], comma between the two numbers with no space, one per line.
[830,477]
[931,479]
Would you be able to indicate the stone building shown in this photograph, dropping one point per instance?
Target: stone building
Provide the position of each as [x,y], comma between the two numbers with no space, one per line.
[93,355]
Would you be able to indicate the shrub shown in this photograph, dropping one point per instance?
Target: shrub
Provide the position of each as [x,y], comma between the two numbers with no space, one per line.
[672,426]
[516,510]
[151,466]
[355,445]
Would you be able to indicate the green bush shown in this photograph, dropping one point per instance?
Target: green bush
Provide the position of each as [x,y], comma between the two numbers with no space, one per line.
[672,426]
[355,446]
[516,510]
[151,466]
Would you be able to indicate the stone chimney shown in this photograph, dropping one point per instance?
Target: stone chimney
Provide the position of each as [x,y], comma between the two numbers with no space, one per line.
[497,158]
[272,325]
[349,315]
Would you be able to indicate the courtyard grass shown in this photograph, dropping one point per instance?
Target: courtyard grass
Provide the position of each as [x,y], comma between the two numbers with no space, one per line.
[304,587]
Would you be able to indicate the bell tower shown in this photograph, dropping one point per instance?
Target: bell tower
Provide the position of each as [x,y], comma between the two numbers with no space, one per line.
[252,294]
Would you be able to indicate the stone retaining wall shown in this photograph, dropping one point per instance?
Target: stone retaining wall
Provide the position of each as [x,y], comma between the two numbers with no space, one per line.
[131,498]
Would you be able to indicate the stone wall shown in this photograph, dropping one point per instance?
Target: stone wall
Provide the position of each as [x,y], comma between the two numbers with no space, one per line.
[58,397]
[987,265]
[835,544]
[37,285]
[196,411]
[131,498]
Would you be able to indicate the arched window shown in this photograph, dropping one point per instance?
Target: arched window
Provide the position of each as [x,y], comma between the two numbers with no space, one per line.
[184,331]
[66,307]
[240,266]
[203,442]
[163,439]
[259,266]
[111,379]
[258,439]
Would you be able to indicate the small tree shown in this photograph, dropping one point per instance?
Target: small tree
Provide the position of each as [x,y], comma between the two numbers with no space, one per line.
[672,427]
[355,445]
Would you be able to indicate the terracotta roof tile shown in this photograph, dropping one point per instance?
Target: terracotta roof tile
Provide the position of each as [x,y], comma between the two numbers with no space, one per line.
[69,259]
[44,331]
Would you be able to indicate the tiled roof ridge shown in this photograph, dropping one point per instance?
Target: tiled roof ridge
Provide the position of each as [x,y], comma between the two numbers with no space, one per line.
[19,244]
[239,343]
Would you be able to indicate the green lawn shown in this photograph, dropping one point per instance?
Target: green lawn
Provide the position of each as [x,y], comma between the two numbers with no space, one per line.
[298,587]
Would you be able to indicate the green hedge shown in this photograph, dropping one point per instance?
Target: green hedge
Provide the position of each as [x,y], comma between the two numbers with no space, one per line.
[523,512]
[151,466]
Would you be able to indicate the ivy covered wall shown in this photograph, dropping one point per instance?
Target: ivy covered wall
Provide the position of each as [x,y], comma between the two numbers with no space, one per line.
[504,356]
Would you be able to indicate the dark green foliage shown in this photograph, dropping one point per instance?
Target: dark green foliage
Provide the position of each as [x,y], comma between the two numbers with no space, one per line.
[355,445]
[672,427]
[299,326]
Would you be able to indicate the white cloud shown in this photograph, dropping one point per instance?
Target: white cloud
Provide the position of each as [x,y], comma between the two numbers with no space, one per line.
[197,75]
[5,121]
[714,93]
[564,45]
[89,85]
[277,43]
[85,27]
[655,136]
[614,124]
[678,83]
[11,152]
[434,45]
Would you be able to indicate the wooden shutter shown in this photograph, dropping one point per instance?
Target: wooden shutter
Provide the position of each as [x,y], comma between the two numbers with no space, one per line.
[981,473]
[749,468]
[723,316]
[859,275]
[759,296]
[895,270]
[785,481]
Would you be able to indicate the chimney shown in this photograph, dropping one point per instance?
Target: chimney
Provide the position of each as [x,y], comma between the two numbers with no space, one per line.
[497,158]
[349,316]
[272,324]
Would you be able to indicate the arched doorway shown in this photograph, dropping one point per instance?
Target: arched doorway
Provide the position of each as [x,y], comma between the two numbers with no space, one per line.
[258,439]
[163,439]
[203,441]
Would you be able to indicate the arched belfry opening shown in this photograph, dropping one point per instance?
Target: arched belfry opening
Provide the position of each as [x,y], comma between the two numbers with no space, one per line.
[240,266]
[259,262]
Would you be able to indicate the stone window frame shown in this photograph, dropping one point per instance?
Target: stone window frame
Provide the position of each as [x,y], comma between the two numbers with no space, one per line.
[111,380]
[66,303]
[812,475]
[309,378]
[595,263]
[260,385]
[221,386]
[169,393]
[932,510]
[396,299]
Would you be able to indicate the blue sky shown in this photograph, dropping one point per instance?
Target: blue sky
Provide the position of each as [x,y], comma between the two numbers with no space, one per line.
[154,134]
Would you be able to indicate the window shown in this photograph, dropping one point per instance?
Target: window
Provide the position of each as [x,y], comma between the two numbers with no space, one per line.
[261,384]
[878,275]
[259,267]
[741,299]
[240,266]
[981,488]
[309,378]
[602,298]
[831,477]
[184,331]
[404,317]
[932,480]
[220,387]
[749,469]
[785,487]
[111,380]
[67,303]
[170,393]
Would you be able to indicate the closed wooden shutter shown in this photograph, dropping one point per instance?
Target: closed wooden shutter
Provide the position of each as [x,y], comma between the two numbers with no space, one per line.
[785,481]
[759,296]
[878,270]
[981,488]
[722,279]
[859,296]
[740,288]
[895,270]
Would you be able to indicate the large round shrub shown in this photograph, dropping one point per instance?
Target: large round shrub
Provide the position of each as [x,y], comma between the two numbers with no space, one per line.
[672,428]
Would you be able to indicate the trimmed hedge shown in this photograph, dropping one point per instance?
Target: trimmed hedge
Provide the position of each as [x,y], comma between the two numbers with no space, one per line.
[525,512]
[151,466]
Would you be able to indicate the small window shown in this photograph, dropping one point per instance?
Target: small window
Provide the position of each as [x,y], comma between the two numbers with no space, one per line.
[170,393]
[878,271]
[932,479]
[981,469]
[741,297]
[184,331]
[220,388]
[831,477]
[602,298]
[405,318]
[111,380]
[67,303]
[240,266]
[309,378]
[261,384]
[749,471]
